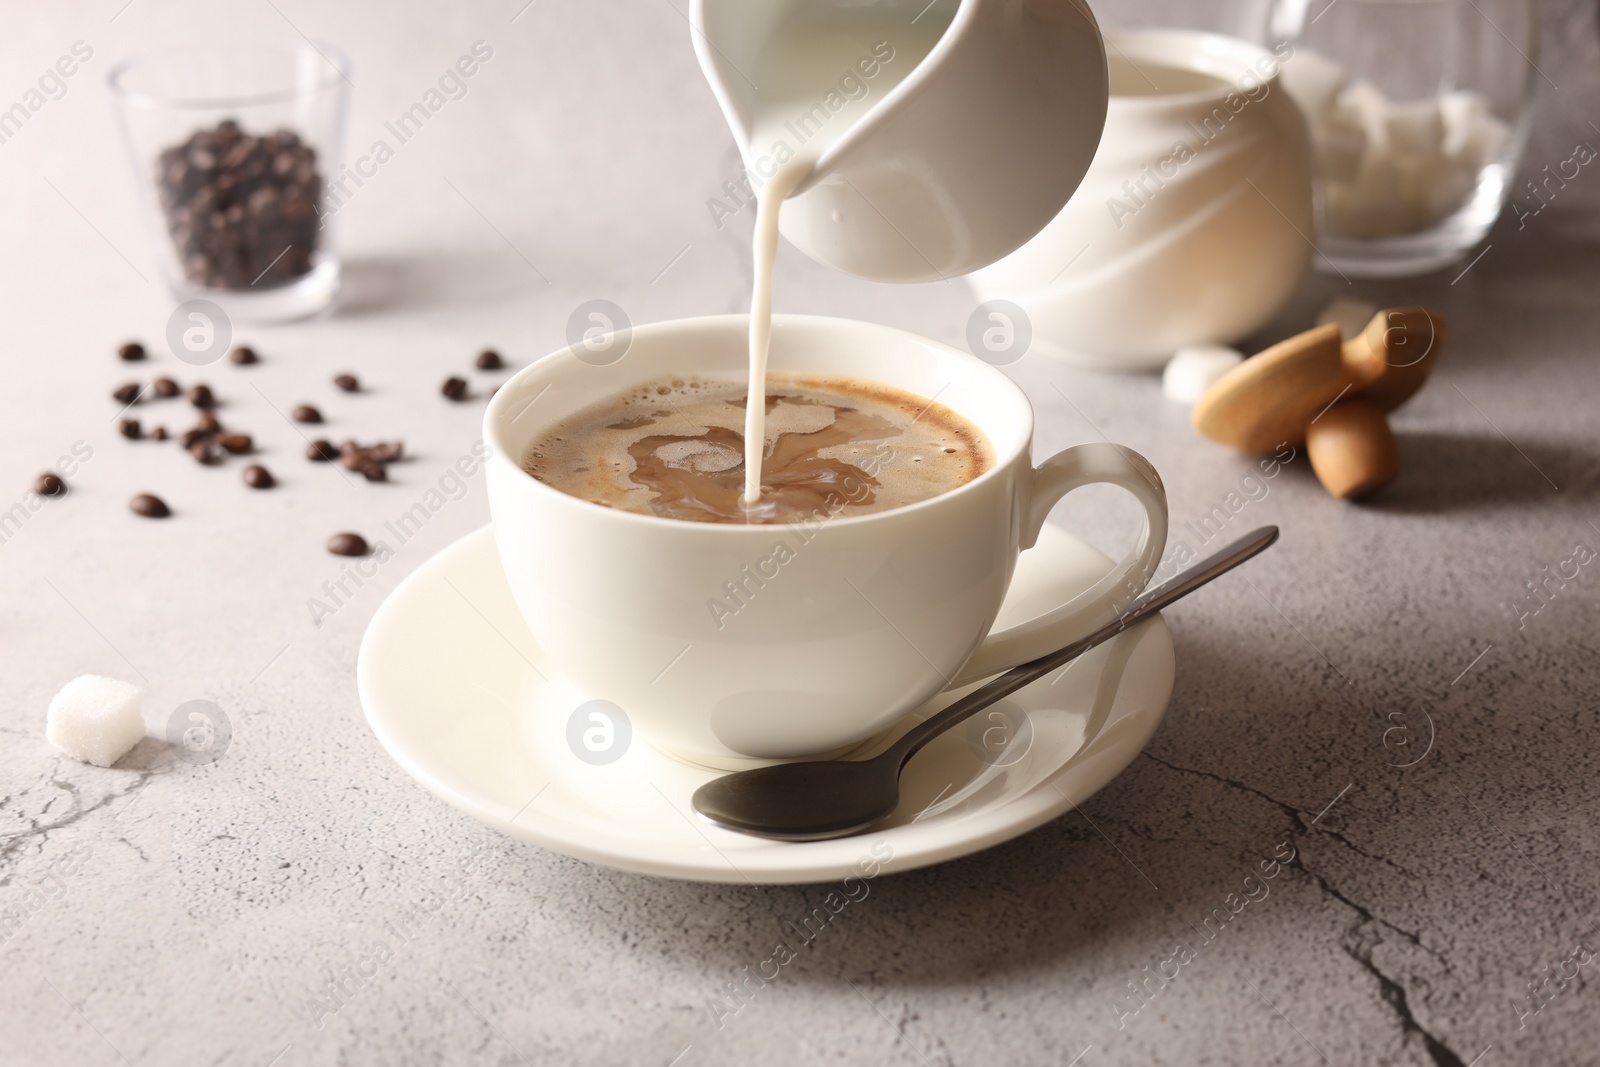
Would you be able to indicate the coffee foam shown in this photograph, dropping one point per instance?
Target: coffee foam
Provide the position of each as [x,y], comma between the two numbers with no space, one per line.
[831,445]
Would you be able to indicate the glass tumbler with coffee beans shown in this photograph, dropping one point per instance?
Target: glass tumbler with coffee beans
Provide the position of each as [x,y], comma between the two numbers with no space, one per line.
[232,147]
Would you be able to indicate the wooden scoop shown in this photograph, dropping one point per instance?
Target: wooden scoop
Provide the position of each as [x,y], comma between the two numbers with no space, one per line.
[1283,395]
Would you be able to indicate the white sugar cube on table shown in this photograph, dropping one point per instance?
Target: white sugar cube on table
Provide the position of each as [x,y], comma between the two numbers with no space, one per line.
[1195,369]
[1351,315]
[95,719]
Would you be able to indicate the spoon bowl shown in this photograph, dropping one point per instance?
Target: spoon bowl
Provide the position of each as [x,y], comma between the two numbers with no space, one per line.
[809,801]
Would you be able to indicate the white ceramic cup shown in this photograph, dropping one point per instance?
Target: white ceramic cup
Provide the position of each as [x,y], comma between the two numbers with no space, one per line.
[838,627]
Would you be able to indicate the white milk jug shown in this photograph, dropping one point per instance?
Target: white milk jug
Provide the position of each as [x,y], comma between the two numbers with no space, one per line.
[933,138]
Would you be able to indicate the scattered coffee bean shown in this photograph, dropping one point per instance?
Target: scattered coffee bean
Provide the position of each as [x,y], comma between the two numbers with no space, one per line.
[244,354]
[49,484]
[130,429]
[242,210]
[164,388]
[126,394]
[258,477]
[321,451]
[454,388]
[237,443]
[348,382]
[190,438]
[348,544]
[306,413]
[387,451]
[206,453]
[489,359]
[208,423]
[158,434]
[132,352]
[150,506]
[369,460]
[201,396]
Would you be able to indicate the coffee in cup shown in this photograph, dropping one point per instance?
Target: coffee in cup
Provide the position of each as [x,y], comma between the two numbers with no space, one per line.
[833,446]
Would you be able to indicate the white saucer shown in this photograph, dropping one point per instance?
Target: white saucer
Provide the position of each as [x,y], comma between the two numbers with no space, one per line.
[465,702]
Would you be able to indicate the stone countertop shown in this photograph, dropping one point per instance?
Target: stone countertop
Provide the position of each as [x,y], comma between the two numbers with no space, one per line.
[171,913]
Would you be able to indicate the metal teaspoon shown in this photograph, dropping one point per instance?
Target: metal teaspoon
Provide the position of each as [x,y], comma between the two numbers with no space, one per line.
[820,799]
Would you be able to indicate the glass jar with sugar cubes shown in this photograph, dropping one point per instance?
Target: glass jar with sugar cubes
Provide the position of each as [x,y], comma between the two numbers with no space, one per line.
[1418,112]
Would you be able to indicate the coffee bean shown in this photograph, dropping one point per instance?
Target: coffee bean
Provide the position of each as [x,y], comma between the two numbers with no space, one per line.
[348,544]
[206,453]
[164,388]
[489,359]
[126,394]
[387,451]
[151,507]
[244,354]
[374,471]
[49,484]
[306,413]
[241,208]
[354,459]
[130,429]
[158,434]
[348,382]
[258,477]
[321,451]
[454,388]
[208,423]
[132,352]
[237,443]
[201,397]
[190,438]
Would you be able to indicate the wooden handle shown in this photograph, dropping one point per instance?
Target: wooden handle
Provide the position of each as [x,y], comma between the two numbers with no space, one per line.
[1269,398]
[1351,448]
[1392,358]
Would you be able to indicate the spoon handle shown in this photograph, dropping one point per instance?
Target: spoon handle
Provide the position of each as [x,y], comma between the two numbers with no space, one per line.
[1152,601]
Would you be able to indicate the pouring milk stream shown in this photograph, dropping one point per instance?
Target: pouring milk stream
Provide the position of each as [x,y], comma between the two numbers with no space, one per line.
[801,109]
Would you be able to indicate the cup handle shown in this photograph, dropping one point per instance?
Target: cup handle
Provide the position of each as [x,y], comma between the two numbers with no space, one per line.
[1050,481]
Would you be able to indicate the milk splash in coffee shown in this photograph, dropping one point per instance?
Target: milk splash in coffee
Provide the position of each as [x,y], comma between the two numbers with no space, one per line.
[801,95]
[837,447]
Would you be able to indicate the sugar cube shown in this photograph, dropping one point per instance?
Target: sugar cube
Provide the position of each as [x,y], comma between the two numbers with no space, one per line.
[1193,370]
[1460,110]
[1415,127]
[1435,186]
[1364,105]
[1338,146]
[95,720]
[1473,136]
[1351,315]
[1312,80]
[1375,205]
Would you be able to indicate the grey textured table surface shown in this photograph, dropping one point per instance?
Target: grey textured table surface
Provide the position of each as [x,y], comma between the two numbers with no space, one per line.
[181,914]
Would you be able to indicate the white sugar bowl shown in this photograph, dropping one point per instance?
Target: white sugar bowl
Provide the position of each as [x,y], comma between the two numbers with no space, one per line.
[1194,222]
